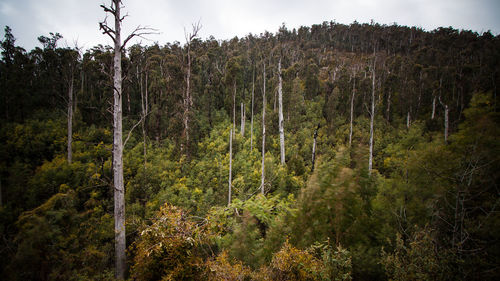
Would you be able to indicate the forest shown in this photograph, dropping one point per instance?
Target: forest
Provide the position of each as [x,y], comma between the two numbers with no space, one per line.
[329,152]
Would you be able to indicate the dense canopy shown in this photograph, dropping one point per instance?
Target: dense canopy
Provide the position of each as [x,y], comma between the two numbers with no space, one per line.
[402,183]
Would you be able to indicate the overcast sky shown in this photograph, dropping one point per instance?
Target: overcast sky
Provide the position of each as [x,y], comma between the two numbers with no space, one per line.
[77,20]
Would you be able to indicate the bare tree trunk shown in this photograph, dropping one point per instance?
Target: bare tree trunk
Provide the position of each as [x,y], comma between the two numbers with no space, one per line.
[314,148]
[118,144]
[280,114]
[262,176]
[119,213]
[446,119]
[352,108]
[230,166]
[251,117]
[408,120]
[188,100]
[234,107]
[388,110]
[70,119]
[446,110]
[144,113]
[433,108]
[372,117]
[242,120]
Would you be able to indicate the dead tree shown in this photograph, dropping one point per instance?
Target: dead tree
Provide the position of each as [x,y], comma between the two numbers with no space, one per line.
[243,117]
[230,166]
[70,112]
[372,117]
[251,117]
[263,174]
[314,148]
[114,9]
[446,119]
[280,114]
[234,107]
[188,99]
[352,105]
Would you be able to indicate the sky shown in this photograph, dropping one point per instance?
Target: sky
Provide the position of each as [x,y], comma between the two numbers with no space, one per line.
[77,20]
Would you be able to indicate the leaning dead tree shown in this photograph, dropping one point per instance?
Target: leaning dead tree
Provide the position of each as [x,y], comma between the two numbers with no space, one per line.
[114,9]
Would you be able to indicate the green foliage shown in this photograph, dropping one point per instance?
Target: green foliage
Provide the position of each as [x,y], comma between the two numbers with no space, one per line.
[337,262]
[56,219]
[222,269]
[414,260]
[171,248]
[45,240]
[320,262]
[251,230]
[330,204]
[293,264]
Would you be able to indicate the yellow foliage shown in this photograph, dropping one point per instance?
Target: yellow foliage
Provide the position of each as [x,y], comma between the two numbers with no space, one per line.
[222,269]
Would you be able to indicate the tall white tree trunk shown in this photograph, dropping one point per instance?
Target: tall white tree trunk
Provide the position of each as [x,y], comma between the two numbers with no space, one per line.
[433,108]
[446,110]
[388,110]
[230,166]
[118,144]
[251,117]
[280,114]
[242,120]
[446,119]
[119,191]
[188,99]
[408,121]
[144,113]
[70,120]
[372,117]
[263,174]
[352,108]
[314,148]
[234,107]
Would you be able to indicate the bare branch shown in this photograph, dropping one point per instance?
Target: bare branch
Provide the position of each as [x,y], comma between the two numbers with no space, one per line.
[122,18]
[139,31]
[143,116]
[110,10]
[107,30]
[194,33]
[130,132]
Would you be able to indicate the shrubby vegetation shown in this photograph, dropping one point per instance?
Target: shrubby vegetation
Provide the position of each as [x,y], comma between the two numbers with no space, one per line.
[428,210]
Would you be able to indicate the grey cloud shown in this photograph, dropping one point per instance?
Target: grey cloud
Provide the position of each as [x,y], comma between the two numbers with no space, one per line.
[224,19]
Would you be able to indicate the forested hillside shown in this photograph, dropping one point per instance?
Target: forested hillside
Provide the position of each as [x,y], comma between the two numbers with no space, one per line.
[331,152]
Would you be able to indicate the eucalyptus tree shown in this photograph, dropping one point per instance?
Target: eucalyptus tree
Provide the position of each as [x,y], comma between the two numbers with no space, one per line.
[187,98]
[70,63]
[372,115]
[280,115]
[263,172]
[118,144]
